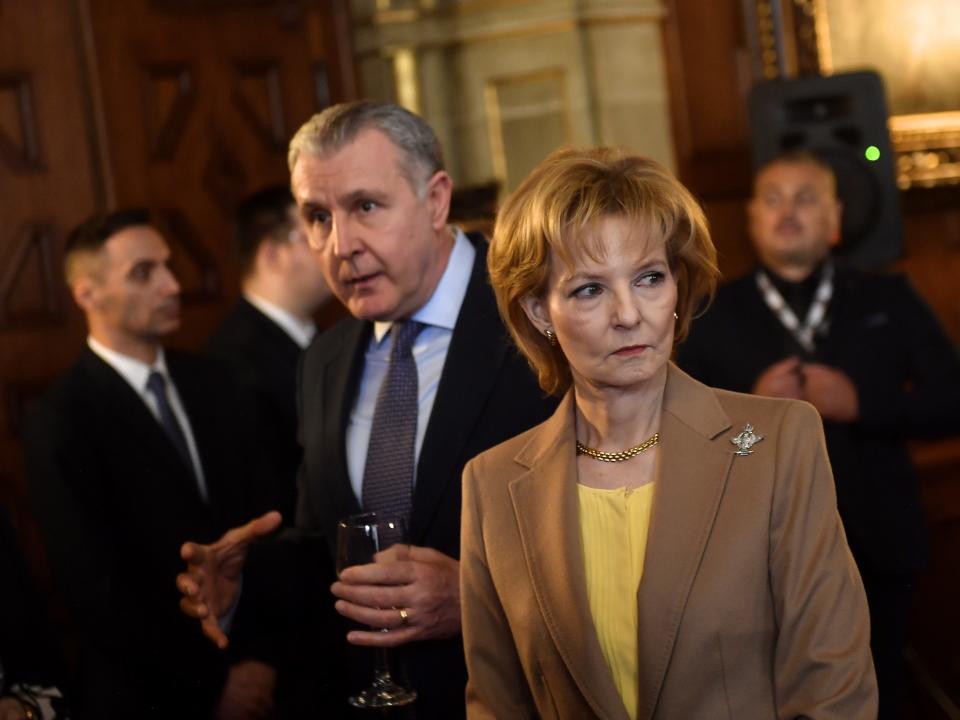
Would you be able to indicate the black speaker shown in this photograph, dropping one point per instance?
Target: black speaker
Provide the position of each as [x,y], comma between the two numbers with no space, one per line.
[843,120]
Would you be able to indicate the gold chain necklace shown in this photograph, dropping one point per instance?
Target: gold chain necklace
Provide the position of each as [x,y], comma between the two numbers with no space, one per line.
[619,456]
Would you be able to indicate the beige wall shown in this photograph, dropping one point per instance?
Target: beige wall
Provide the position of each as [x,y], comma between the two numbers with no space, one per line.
[506,81]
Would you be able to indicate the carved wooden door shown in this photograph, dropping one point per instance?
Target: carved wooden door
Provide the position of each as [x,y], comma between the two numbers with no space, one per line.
[182,106]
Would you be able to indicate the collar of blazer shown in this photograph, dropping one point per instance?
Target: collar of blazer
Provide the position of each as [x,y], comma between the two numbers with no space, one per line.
[692,472]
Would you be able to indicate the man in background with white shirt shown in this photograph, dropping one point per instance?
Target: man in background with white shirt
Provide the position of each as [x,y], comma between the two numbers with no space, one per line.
[271,324]
[132,451]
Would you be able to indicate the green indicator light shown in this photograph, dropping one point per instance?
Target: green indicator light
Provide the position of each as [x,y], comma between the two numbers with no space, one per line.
[872,153]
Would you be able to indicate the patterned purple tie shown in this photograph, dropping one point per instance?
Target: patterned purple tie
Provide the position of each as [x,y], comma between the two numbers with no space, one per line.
[388,474]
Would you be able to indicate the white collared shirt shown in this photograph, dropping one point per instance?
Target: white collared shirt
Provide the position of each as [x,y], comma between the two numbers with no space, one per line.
[136,373]
[439,315]
[300,331]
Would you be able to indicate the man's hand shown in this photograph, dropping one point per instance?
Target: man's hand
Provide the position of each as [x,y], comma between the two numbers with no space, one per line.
[782,379]
[422,582]
[212,580]
[248,692]
[831,392]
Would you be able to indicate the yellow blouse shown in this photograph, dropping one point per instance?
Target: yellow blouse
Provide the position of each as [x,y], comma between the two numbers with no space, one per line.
[613,531]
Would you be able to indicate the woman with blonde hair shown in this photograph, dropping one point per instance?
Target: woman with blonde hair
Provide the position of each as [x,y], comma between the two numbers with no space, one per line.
[657,548]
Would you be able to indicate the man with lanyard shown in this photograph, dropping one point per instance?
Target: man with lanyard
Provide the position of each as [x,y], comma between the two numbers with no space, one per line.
[866,352]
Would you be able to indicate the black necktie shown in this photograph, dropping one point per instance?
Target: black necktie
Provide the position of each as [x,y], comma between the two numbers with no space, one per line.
[157,385]
[388,474]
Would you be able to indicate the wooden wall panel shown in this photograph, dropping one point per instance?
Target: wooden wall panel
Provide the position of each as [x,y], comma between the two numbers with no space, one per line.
[709,75]
[180,105]
[196,123]
[932,255]
[48,178]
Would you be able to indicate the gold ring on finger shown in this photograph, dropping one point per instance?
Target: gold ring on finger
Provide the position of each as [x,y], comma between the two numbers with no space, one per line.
[404,617]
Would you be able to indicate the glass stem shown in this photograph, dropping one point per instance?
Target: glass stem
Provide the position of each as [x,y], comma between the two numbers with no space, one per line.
[381,663]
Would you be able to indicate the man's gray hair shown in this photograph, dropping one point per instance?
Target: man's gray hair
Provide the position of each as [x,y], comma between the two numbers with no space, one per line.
[338,125]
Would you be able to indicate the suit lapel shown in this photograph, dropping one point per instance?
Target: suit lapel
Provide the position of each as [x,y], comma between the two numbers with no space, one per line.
[473,361]
[844,311]
[341,373]
[690,481]
[547,512]
[197,402]
[135,424]
[203,406]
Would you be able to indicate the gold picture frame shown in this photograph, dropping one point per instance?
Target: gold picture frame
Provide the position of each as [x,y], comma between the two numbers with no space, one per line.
[790,38]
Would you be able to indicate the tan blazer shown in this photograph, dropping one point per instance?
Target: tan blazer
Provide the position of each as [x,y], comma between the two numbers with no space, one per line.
[750,605]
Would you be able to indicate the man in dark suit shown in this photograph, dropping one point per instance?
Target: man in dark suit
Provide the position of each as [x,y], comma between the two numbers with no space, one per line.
[132,451]
[866,352]
[370,184]
[263,336]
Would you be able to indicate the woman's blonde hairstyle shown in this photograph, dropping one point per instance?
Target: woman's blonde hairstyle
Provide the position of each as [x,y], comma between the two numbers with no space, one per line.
[550,216]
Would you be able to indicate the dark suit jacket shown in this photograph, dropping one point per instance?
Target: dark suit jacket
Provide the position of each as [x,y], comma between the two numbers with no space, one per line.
[115,501]
[264,362]
[907,375]
[487,393]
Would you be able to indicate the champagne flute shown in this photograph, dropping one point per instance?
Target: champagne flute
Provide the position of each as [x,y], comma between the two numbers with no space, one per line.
[359,538]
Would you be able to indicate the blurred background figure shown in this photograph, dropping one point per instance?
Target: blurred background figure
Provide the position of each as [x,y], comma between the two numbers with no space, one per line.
[867,352]
[263,336]
[134,450]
